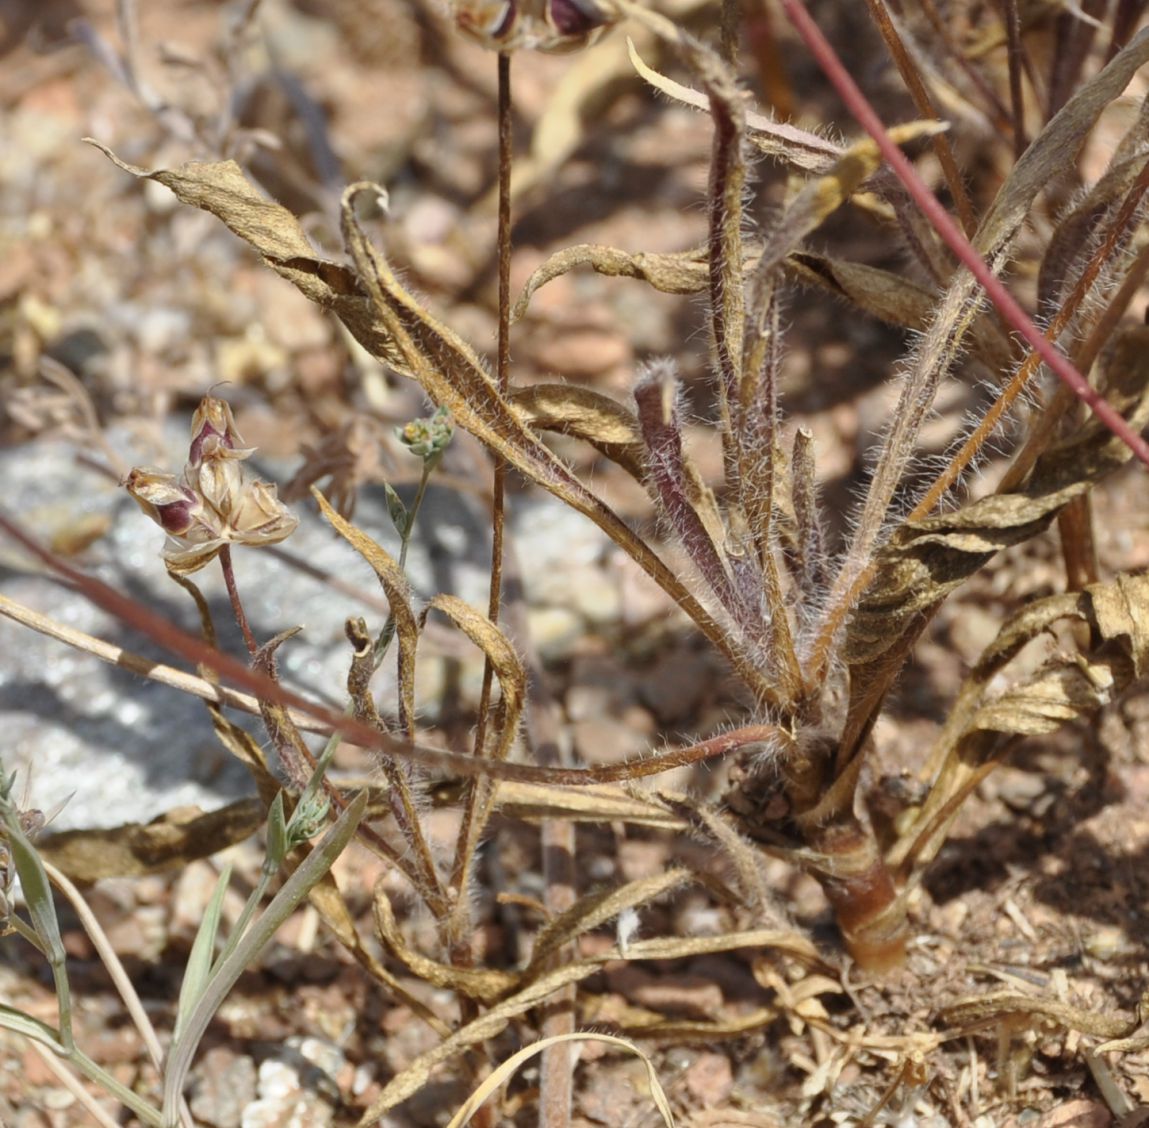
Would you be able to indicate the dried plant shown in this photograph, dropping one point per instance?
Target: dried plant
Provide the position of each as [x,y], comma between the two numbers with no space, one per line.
[817,638]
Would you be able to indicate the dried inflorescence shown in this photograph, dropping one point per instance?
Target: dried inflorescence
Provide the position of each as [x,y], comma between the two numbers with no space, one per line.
[212,503]
[557,26]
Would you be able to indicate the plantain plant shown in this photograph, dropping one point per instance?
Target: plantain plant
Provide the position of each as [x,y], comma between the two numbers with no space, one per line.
[817,637]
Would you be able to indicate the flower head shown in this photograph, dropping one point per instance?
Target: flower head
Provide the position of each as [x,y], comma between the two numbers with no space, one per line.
[212,503]
[556,26]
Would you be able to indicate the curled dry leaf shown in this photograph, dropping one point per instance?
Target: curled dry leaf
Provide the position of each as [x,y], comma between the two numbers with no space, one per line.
[176,838]
[399,597]
[1066,687]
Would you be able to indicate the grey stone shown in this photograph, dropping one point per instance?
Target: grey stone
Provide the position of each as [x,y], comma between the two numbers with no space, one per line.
[121,748]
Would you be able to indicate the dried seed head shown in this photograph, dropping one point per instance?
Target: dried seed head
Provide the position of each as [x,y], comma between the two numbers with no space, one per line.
[555,26]
[172,505]
[212,504]
[214,433]
[219,481]
[260,518]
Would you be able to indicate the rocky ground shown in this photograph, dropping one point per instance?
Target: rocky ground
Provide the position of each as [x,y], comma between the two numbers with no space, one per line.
[119,309]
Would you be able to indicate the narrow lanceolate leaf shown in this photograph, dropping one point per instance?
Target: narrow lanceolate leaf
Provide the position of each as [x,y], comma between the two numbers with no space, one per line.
[198,969]
[777,139]
[484,984]
[676,272]
[1071,243]
[893,299]
[134,849]
[582,413]
[662,434]
[451,374]
[879,293]
[504,661]
[1056,147]
[824,194]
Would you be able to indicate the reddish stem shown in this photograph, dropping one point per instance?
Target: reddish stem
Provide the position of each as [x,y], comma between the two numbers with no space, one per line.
[1005,302]
[236,603]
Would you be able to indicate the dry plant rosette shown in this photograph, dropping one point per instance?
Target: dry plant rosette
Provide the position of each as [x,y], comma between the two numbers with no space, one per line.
[817,640]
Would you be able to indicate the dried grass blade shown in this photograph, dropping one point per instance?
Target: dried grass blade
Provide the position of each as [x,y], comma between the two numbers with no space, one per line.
[506,1069]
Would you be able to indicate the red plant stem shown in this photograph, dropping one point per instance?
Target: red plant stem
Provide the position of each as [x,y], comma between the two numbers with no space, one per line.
[236,603]
[197,652]
[1005,302]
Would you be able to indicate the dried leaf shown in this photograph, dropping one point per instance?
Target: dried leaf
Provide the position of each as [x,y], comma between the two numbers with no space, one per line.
[1056,146]
[583,413]
[506,1069]
[824,194]
[482,984]
[777,139]
[679,272]
[979,1011]
[398,592]
[500,653]
[489,1025]
[592,911]
[598,804]
[879,293]
[1066,687]
[175,838]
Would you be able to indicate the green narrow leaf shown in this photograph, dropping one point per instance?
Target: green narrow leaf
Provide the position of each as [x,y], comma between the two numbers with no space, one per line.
[276,833]
[400,518]
[198,969]
[42,911]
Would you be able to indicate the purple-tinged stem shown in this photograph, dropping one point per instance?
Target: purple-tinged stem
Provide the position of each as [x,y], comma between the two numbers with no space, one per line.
[236,602]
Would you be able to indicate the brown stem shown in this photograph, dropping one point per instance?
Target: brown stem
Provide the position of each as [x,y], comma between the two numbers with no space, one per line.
[868,907]
[236,603]
[1016,55]
[502,376]
[925,106]
[1078,545]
